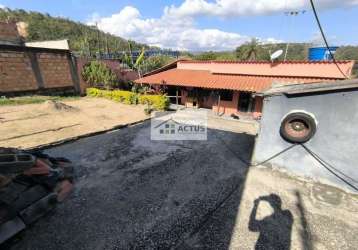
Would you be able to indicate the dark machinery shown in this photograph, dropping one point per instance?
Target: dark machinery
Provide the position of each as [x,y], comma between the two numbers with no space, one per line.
[31,183]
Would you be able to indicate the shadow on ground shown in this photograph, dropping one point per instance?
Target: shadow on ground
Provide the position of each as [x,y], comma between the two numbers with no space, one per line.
[134,193]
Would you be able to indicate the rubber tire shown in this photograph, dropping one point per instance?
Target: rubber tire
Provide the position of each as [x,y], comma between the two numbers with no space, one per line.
[309,120]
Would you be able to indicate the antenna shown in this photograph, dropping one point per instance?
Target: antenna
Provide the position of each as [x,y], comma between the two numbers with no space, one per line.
[276,54]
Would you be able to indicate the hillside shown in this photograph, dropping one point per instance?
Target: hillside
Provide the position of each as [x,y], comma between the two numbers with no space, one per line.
[82,38]
[296,51]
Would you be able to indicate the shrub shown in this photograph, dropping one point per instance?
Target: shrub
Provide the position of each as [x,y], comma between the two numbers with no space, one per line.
[122,96]
[98,74]
[159,102]
[126,97]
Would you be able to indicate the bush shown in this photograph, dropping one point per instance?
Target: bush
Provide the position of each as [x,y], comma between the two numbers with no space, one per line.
[99,74]
[157,102]
[122,96]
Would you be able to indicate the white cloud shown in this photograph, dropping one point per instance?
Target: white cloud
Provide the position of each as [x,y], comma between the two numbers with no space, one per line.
[2,6]
[235,8]
[168,31]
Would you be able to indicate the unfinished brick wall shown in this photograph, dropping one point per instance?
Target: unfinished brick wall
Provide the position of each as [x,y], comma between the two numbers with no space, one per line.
[16,73]
[26,69]
[9,33]
[55,70]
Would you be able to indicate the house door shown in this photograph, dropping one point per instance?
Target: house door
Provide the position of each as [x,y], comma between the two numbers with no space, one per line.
[245,102]
[172,92]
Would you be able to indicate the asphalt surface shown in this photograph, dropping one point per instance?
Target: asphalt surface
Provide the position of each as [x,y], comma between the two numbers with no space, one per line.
[134,193]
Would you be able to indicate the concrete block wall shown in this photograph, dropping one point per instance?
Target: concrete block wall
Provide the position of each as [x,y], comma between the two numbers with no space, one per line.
[16,72]
[55,70]
[29,70]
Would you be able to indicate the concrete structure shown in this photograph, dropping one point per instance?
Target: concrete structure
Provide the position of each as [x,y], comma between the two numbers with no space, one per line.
[43,67]
[59,44]
[334,106]
[135,193]
[230,87]
[25,69]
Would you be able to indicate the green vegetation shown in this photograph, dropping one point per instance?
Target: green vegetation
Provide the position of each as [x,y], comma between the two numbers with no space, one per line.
[33,99]
[98,74]
[155,62]
[122,96]
[83,38]
[158,102]
[253,50]
[129,60]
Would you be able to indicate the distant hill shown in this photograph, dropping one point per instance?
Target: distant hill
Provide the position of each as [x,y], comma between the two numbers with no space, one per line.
[83,38]
[296,51]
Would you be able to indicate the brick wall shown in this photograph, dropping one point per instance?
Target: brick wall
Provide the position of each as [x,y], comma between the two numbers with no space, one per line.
[16,72]
[55,70]
[9,33]
[26,69]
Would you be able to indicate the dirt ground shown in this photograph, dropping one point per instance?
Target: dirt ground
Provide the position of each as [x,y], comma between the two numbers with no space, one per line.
[26,126]
[135,193]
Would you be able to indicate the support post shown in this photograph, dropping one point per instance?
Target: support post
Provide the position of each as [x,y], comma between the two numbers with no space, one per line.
[219,105]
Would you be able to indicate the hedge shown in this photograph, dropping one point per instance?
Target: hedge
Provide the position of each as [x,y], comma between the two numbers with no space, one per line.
[158,102]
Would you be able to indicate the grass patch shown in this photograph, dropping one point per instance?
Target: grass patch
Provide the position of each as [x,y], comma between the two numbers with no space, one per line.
[23,100]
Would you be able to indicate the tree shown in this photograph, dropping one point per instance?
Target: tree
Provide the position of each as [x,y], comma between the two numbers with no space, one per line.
[129,60]
[98,74]
[83,38]
[155,62]
[207,56]
[251,51]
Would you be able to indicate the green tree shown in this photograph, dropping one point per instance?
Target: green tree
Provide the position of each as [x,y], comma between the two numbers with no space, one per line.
[83,38]
[155,62]
[97,74]
[206,56]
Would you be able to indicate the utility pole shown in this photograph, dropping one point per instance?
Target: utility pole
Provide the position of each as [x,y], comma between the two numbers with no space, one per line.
[291,14]
[106,40]
[98,40]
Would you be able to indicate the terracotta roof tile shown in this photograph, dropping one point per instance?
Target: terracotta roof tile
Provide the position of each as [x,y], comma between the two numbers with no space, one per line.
[323,69]
[205,79]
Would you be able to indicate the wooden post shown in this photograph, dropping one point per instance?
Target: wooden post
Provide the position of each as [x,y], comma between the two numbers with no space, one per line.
[218,105]
[177,100]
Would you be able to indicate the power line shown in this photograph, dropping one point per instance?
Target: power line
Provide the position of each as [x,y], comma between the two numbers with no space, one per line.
[330,168]
[325,40]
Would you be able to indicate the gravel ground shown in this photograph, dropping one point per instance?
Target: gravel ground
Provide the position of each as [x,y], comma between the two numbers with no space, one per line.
[32,125]
[134,193]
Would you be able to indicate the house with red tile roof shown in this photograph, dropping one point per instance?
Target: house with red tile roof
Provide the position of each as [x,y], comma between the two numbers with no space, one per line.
[232,87]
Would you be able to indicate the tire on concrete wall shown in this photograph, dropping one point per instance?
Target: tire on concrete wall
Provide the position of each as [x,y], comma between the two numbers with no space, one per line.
[298,127]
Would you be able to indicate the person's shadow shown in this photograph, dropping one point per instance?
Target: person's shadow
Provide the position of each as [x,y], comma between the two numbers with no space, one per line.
[275,229]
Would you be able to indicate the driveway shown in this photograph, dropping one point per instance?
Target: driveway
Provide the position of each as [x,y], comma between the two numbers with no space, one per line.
[134,193]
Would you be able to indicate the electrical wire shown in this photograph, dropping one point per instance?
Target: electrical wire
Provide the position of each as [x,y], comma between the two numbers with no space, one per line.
[325,39]
[208,215]
[330,168]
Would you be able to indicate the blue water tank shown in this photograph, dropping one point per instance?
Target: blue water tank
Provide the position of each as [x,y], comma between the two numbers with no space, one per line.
[321,53]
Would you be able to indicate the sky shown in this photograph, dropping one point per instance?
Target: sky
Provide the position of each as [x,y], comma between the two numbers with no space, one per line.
[203,25]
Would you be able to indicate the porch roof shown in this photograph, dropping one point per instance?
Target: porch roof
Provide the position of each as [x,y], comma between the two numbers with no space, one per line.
[207,79]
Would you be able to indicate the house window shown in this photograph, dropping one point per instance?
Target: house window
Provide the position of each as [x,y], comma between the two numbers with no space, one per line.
[246,102]
[226,95]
